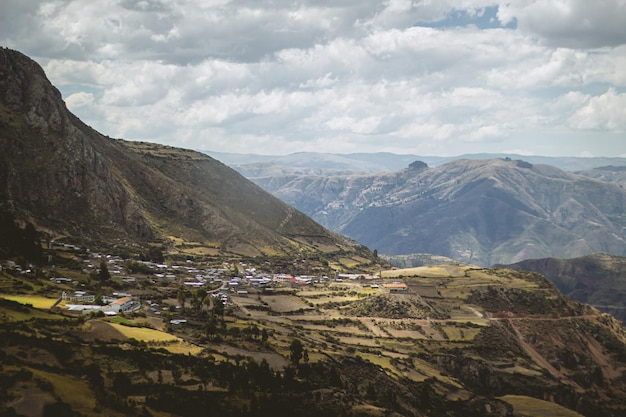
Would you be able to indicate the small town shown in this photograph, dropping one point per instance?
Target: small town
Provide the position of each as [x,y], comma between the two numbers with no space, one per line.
[99,285]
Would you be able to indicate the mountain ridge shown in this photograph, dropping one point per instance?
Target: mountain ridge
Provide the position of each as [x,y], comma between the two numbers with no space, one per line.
[473,211]
[377,162]
[597,279]
[70,180]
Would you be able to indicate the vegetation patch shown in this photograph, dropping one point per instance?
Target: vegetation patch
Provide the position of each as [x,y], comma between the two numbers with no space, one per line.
[531,407]
[70,390]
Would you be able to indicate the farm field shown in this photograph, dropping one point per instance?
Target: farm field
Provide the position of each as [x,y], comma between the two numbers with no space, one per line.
[35,300]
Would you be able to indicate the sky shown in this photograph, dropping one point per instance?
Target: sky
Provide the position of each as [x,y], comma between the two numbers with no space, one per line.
[274,77]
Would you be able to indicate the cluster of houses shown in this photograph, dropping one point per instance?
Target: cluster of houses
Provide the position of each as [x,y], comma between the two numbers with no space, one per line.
[120,303]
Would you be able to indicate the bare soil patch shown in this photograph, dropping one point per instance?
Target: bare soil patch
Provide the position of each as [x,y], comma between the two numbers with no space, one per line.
[99,330]
[31,400]
[284,303]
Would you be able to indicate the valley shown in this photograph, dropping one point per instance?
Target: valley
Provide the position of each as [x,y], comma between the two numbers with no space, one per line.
[140,279]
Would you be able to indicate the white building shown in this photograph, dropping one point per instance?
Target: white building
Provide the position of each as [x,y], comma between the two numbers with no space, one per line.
[122,304]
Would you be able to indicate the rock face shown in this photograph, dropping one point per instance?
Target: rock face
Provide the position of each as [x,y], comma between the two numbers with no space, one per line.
[475,211]
[70,180]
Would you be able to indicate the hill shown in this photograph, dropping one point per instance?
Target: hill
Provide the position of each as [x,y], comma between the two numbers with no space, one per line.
[610,173]
[597,279]
[77,184]
[474,211]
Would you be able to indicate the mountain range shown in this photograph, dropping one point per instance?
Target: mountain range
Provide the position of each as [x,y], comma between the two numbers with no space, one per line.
[73,182]
[472,210]
[361,163]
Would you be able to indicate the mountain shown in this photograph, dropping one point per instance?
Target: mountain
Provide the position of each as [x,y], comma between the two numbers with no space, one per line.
[317,162]
[597,279]
[74,183]
[474,211]
[355,163]
[609,173]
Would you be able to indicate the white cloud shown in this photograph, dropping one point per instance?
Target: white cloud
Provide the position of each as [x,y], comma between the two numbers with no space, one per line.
[604,112]
[78,100]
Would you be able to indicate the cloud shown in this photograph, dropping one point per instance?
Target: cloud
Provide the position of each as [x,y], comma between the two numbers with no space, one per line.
[281,76]
[78,100]
[570,23]
[604,112]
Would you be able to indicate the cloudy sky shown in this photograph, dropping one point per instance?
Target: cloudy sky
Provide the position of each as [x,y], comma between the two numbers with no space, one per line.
[426,77]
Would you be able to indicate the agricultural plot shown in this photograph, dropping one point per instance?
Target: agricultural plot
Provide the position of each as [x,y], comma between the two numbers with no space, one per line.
[443,271]
[284,303]
[143,334]
[426,291]
[330,326]
[358,342]
[35,300]
[405,329]
[531,407]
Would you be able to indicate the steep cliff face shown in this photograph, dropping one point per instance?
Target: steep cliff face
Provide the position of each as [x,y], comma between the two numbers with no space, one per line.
[55,170]
[67,178]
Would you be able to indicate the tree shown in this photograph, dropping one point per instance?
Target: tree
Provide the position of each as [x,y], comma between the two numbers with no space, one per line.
[296,351]
[155,255]
[207,301]
[103,275]
[218,309]
[197,298]
[181,298]
[121,384]
[211,325]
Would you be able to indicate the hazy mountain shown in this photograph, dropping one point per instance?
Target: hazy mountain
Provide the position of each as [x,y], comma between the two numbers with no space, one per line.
[70,180]
[474,211]
[610,173]
[597,279]
[251,165]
